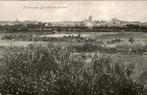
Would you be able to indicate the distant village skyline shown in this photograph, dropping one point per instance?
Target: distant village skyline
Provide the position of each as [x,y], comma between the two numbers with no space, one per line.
[56,11]
[101,20]
[89,22]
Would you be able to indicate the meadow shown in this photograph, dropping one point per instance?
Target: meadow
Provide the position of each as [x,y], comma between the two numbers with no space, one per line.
[102,63]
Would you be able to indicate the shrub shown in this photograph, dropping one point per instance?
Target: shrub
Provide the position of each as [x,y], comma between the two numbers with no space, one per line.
[88,47]
[136,47]
[124,47]
[116,40]
[58,71]
[7,37]
[131,40]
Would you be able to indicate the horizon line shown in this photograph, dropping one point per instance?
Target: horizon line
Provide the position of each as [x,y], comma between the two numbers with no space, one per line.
[73,20]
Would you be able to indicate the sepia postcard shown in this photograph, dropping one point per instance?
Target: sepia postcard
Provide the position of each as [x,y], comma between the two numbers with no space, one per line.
[73,47]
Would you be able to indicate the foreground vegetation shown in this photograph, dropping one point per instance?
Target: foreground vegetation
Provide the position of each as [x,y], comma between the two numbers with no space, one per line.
[36,70]
[74,65]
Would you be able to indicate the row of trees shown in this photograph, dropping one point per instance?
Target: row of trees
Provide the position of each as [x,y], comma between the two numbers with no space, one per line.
[50,27]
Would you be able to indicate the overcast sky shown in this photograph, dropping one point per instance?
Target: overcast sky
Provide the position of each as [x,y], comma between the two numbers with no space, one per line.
[73,10]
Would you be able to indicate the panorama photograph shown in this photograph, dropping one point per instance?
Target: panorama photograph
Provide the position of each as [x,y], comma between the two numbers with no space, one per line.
[73,47]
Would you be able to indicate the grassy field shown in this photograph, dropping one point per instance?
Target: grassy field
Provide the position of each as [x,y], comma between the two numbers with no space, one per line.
[100,35]
[105,36]
[18,48]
